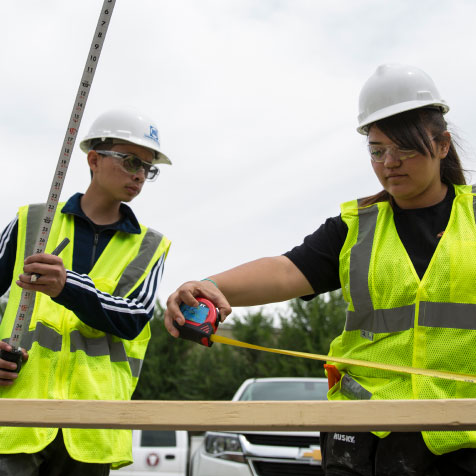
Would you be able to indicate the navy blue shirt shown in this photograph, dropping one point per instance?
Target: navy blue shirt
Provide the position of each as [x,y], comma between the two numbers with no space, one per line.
[123,317]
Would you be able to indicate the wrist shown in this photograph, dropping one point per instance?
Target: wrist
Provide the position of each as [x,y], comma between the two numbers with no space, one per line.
[211,280]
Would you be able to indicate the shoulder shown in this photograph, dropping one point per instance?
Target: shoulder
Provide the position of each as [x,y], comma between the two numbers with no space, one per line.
[333,228]
[154,240]
[330,235]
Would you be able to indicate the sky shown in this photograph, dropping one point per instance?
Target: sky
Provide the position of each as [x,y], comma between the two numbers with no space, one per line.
[256,104]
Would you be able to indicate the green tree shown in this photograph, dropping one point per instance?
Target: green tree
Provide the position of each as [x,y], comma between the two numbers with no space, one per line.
[214,373]
[256,328]
[310,326]
[165,360]
[175,369]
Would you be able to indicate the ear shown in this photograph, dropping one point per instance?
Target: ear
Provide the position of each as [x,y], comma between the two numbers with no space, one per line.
[93,160]
[444,145]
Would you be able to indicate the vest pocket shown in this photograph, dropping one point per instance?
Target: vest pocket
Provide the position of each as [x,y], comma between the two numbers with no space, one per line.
[47,312]
[99,369]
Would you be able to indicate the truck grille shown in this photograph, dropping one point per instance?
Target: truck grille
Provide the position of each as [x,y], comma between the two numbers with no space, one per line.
[264,468]
[282,440]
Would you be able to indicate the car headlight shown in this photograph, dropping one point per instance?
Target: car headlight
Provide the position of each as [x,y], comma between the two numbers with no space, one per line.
[224,446]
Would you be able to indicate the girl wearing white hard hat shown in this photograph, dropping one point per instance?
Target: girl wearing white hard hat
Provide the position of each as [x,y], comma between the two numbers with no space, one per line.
[405,259]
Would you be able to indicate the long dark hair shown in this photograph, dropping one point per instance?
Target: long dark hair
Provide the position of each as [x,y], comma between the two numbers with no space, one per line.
[414,130]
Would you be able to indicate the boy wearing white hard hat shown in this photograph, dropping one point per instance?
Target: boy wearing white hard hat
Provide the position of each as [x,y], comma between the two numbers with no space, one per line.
[89,328]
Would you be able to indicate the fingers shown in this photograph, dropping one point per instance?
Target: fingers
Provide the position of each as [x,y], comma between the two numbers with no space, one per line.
[43,258]
[207,290]
[7,368]
[7,378]
[187,294]
[51,271]
[7,347]
[172,313]
[24,354]
[42,265]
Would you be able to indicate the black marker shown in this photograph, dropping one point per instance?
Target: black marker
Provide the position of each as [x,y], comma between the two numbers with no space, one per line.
[55,252]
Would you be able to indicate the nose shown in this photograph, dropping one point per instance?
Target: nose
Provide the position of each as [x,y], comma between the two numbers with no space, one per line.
[139,175]
[391,159]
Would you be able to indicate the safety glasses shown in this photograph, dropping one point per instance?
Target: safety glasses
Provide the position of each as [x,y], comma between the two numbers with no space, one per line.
[379,152]
[132,164]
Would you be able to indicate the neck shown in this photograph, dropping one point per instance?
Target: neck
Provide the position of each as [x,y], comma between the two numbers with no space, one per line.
[100,209]
[423,200]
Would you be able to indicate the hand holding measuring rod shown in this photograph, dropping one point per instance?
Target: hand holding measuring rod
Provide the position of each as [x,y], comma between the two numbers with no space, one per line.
[25,308]
[52,270]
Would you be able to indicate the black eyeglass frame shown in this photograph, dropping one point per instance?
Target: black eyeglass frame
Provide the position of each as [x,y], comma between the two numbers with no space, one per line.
[151,171]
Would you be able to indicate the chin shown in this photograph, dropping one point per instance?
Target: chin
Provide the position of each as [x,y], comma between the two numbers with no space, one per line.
[399,192]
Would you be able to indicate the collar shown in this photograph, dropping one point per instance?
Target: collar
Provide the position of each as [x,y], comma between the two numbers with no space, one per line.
[128,223]
[446,202]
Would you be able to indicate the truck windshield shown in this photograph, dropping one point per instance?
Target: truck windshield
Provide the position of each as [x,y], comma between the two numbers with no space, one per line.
[286,391]
[151,438]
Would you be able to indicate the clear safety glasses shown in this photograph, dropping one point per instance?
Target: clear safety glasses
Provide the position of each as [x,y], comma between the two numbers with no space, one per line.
[132,164]
[379,152]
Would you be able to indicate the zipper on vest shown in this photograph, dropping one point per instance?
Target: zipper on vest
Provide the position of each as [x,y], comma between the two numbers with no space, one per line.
[93,252]
[418,340]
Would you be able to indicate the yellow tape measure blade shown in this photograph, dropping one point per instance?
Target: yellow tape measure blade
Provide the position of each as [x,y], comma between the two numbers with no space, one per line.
[362,363]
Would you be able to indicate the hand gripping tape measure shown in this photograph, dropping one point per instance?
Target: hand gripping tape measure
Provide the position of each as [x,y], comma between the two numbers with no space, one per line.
[201,322]
[26,301]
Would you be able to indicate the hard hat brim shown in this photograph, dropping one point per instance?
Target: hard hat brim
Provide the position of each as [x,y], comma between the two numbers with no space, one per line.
[159,157]
[397,109]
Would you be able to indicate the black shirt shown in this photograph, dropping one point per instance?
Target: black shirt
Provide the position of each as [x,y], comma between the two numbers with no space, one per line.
[419,230]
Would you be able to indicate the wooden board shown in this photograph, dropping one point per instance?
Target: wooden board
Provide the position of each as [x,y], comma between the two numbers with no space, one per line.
[398,415]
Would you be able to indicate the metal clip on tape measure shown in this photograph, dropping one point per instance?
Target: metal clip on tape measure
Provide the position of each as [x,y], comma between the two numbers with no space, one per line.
[200,322]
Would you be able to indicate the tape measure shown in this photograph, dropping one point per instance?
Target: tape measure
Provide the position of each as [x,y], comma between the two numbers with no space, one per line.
[361,363]
[24,309]
[201,322]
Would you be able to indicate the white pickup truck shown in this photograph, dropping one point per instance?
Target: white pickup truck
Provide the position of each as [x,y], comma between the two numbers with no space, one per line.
[244,453]
[158,453]
[264,453]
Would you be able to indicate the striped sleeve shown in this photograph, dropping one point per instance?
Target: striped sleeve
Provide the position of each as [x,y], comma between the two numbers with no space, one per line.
[8,250]
[123,317]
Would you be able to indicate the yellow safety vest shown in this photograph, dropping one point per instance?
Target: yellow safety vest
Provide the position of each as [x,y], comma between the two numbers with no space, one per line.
[69,359]
[395,318]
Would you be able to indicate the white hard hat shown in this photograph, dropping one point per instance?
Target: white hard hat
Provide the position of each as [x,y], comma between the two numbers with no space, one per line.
[396,88]
[125,125]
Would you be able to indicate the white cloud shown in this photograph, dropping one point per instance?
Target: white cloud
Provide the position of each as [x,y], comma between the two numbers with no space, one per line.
[256,103]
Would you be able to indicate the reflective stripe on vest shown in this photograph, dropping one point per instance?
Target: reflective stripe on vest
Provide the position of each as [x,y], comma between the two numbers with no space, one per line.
[105,345]
[134,270]
[370,320]
[93,347]
[44,335]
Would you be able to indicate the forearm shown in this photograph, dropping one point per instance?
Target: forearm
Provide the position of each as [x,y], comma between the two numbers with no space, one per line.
[258,282]
[119,316]
[262,281]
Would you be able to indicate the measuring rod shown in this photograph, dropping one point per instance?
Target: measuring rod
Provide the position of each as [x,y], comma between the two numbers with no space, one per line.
[25,308]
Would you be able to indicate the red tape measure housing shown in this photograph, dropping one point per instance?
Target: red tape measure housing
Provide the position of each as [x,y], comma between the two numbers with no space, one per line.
[200,322]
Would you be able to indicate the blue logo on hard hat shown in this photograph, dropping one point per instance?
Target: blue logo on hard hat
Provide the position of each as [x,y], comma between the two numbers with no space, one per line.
[154,134]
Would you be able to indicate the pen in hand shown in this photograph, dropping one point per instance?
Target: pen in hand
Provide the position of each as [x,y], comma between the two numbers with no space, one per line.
[55,252]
